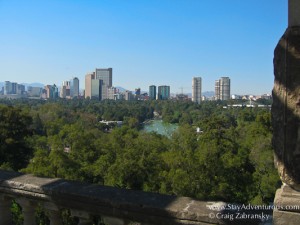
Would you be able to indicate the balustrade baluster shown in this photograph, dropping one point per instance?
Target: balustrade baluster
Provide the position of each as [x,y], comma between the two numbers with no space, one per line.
[84,217]
[114,221]
[54,213]
[5,211]
[28,209]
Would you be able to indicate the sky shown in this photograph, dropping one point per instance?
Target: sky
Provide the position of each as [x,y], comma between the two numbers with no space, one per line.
[160,42]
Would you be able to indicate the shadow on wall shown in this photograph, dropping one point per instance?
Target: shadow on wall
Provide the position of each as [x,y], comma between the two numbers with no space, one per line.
[286,107]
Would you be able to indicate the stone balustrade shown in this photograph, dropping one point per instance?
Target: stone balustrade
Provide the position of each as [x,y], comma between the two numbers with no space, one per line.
[115,206]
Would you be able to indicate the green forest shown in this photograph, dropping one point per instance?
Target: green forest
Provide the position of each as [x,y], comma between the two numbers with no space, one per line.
[230,160]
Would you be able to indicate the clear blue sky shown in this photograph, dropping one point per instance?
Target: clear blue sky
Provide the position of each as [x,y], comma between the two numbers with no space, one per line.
[160,42]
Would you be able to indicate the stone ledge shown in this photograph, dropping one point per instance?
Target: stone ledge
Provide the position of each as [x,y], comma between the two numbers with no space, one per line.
[287,202]
[114,202]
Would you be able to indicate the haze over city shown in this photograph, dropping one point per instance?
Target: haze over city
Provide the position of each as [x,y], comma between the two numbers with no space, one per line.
[145,42]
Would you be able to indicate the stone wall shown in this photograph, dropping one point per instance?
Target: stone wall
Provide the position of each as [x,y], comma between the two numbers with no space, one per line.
[286,107]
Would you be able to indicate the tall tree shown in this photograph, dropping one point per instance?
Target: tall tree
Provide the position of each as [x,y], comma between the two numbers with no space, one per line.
[14,130]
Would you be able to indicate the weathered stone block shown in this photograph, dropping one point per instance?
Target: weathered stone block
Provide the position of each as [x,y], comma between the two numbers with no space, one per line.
[287,206]
[286,107]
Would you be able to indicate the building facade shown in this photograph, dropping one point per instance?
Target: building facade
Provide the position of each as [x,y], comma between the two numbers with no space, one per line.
[152,92]
[128,96]
[106,76]
[101,77]
[197,89]
[222,88]
[96,89]
[88,84]
[65,90]
[34,91]
[163,92]
[13,88]
[112,91]
[74,87]
[51,91]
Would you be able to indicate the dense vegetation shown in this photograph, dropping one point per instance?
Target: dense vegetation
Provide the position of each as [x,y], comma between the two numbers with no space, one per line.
[231,160]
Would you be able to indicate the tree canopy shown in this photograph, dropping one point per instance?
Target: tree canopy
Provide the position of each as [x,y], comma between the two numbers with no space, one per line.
[231,159]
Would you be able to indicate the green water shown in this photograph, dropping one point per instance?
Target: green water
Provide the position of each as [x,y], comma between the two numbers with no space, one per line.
[160,127]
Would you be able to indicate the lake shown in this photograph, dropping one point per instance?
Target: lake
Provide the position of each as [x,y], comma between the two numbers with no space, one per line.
[160,127]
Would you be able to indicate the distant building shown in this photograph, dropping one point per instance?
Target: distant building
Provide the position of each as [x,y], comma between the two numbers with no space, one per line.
[266,96]
[70,89]
[74,87]
[119,96]
[182,97]
[196,89]
[13,90]
[236,97]
[20,89]
[137,91]
[163,92]
[152,92]
[51,91]
[128,96]
[97,83]
[88,84]
[112,91]
[93,87]
[65,90]
[34,91]
[106,76]
[96,89]
[10,88]
[217,89]
[222,88]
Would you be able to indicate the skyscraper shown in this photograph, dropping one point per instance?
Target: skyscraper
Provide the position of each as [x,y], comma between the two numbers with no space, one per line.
[10,88]
[88,84]
[93,86]
[96,89]
[106,76]
[217,89]
[102,77]
[222,88]
[51,91]
[65,89]
[74,87]
[196,89]
[152,92]
[163,92]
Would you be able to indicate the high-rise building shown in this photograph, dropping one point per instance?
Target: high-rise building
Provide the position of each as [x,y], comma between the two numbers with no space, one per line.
[222,88]
[88,84]
[10,88]
[65,90]
[106,76]
[217,89]
[163,92]
[196,89]
[92,82]
[74,87]
[96,89]
[111,93]
[51,91]
[128,96]
[20,89]
[13,88]
[152,92]
[34,91]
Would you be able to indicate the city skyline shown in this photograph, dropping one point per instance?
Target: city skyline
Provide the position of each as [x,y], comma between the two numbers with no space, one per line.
[145,42]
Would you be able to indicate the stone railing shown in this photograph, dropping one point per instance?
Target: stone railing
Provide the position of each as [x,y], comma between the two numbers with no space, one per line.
[115,206]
